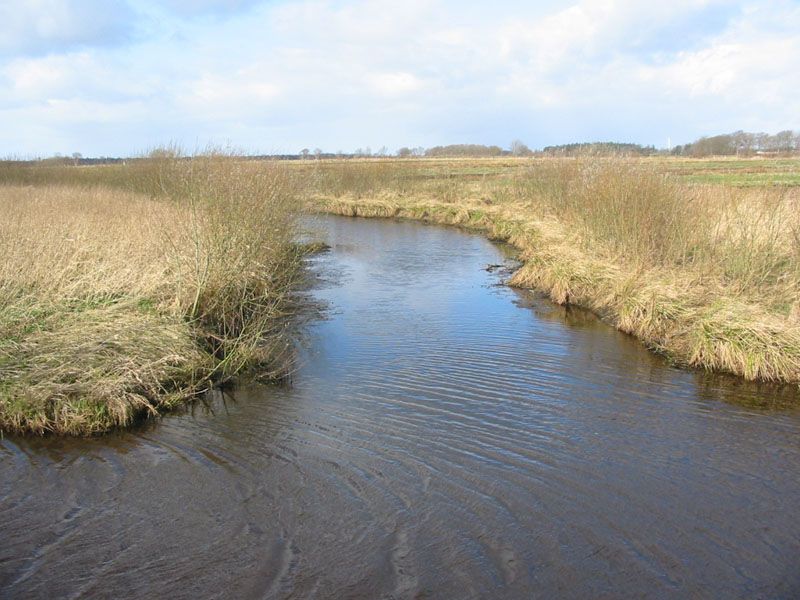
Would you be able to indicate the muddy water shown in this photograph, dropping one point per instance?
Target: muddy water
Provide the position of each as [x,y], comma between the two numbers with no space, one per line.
[444,437]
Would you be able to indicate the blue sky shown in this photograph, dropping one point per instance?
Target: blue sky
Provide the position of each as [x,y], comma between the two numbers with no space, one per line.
[116,77]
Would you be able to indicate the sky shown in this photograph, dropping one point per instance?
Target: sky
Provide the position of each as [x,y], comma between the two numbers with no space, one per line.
[120,77]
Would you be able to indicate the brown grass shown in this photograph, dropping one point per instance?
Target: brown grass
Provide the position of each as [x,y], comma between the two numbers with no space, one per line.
[708,275]
[116,304]
[127,289]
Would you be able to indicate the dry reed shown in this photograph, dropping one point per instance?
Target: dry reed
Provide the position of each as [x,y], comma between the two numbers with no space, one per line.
[707,275]
[120,300]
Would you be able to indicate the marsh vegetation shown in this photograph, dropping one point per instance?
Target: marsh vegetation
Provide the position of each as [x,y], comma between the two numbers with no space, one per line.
[706,274]
[125,290]
[128,288]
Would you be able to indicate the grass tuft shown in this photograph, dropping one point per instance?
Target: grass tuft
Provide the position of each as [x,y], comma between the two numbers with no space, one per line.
[131,291]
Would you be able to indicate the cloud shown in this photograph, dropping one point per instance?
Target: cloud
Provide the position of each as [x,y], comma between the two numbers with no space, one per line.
[338,74]
[746,75]
[188,8]
[79,74]
[236,97]
[46,26]
[395,84]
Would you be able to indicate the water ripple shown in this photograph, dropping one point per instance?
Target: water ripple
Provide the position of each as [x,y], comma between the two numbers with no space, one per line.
[444,437]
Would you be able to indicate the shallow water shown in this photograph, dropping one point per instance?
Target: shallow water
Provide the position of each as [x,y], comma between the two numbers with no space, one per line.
[443,437]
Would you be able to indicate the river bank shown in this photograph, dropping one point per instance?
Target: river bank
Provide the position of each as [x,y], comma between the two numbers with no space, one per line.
[127,291]
[443,436]
[725,300]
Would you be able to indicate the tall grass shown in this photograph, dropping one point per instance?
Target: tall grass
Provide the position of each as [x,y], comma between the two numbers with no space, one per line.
[128,289]
[635,212]
[631,209]
[709,275]
[745,241]
[378,177]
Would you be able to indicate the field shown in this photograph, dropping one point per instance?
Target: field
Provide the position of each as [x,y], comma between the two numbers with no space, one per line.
[128,289]
[728,171]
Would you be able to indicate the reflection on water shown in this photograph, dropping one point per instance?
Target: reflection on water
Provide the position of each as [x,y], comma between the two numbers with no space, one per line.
[443,437]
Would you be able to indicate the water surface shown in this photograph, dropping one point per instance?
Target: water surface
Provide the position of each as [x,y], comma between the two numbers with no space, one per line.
[443,437]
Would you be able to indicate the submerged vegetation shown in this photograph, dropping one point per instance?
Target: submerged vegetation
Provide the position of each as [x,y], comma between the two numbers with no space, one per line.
[707,275]
[126,289]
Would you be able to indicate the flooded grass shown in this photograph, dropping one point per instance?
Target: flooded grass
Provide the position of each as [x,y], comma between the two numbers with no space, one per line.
[708,275]
[126,292]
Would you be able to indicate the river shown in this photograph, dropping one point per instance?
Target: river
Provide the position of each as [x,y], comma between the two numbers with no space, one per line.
[443,436]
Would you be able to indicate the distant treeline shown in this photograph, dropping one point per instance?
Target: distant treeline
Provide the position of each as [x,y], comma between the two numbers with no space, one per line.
[742,143]
[738,143]
[58,160]
[464,150]
[599,148]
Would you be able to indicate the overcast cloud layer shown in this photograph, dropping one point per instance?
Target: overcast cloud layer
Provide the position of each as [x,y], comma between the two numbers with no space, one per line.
[115,77]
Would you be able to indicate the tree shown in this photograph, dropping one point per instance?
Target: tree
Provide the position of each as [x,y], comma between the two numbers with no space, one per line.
[743,142]
[404,152]
[464,150]
[718,145]
[784,140]
[305,152]
[519,149]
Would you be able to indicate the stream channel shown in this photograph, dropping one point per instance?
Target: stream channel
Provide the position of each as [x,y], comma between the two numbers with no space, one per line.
[444,436]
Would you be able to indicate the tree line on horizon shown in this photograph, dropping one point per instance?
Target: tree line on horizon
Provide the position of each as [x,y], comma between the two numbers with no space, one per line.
[742,143]
[738,143]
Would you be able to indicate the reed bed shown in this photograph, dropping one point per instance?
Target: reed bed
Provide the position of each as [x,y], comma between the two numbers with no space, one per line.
[707,275]
[128,290]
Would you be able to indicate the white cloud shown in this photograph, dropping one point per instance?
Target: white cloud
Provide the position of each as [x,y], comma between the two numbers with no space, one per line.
[76,75]
[341,74]
[746,72]
[394,84]
[40,26]
[232,97]
[195,7]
